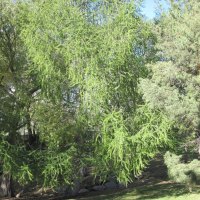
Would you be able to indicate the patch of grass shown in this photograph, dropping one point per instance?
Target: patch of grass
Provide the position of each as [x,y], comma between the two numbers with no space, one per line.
[159,191]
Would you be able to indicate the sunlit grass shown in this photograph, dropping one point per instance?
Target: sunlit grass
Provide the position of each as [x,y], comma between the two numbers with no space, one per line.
[166,191]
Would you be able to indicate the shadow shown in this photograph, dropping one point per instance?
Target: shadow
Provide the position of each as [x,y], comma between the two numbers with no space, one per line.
[163,190]
[145,192]
[152,185]
[100,195]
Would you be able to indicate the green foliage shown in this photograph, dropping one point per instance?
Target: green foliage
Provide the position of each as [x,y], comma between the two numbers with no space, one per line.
[126,151]
[96,56]
[100,54]
[60,167]
[71,98]
[187,173]
[13,161]
[173,83]
[55,123]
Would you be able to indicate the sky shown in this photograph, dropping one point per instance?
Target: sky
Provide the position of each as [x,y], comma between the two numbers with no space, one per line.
[149,8]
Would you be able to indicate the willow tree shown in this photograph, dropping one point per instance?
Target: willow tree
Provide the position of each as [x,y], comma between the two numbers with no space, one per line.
[85,61]
[173,85]
[98,49]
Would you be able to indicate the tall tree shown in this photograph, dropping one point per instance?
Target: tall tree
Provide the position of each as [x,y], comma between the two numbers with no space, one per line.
[173,84]
[96,50]
[70,99]
[17,88]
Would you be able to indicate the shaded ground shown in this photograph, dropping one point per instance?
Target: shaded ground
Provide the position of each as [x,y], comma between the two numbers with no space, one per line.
[152,185]
[160,190]
[156,191]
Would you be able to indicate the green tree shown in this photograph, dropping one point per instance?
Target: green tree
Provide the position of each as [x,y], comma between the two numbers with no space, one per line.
[185,173]
[69,80]
[17,88]
[99,51]
[173,84]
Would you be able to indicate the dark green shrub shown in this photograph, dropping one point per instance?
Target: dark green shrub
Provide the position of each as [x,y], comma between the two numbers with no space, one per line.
[185,173]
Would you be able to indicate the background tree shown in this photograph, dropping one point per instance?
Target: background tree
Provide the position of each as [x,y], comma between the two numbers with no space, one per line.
[173,84]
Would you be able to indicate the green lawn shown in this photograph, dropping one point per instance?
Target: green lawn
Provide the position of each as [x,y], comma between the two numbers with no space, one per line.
[165,191]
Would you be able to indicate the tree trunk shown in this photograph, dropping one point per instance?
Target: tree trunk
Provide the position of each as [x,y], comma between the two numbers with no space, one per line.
[6,187]
[198,146]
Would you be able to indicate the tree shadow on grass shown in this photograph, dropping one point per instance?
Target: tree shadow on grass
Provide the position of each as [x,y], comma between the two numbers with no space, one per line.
[161,190]
[145,192]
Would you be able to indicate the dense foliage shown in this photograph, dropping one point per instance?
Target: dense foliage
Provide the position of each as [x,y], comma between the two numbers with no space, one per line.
[94,54]
[173,84]
[92,84]
[187,173]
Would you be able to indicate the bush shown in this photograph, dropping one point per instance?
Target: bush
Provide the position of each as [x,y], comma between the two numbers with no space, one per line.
[185,173]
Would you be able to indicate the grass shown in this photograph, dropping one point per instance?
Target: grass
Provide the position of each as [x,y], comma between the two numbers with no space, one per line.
[156,191]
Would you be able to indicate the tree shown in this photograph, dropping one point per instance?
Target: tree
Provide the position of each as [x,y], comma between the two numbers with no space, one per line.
[74,91]
[173,84]
[96,50]
[17,88]
[184,173]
